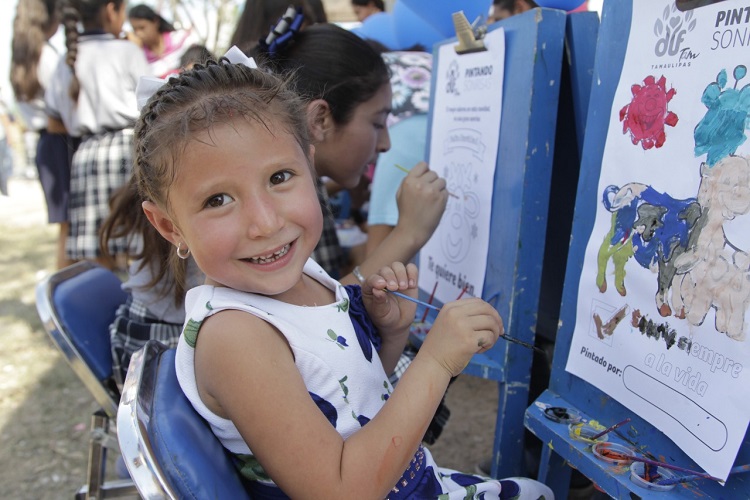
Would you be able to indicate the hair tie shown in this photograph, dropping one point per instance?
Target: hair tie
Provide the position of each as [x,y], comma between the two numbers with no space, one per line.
[148,85]
[284,31]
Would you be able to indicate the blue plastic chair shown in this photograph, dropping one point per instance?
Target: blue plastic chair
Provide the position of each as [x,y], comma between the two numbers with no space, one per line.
[168,447]
[76,306]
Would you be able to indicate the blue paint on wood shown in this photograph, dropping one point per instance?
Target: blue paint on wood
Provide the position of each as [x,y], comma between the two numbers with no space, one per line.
[533,58]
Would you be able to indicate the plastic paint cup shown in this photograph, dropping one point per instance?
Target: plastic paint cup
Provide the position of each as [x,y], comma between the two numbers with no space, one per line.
[613,453]
[584,431]
[562,415]
[637,470]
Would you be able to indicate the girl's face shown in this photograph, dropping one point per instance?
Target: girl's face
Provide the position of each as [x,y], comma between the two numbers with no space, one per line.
[244,202]
[147,31]
[347,150]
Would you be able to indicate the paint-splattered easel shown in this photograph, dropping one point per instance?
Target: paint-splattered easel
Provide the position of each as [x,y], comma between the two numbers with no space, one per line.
[531,89]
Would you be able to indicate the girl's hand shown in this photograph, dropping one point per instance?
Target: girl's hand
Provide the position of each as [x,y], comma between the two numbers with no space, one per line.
[388,312]
[421,200]
[462,328]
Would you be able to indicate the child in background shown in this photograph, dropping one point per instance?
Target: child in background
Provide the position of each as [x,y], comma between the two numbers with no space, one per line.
[6,151]
[347,85]
[154,309]
[287,365]
[407,125]
[365,8]
[93,93]
[161,42]
[195,54]
[33,61]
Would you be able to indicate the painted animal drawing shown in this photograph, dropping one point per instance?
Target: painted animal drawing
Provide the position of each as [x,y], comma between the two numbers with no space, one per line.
[649,225]
[713,272]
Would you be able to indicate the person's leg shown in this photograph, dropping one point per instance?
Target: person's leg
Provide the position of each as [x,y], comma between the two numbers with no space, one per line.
[62,260]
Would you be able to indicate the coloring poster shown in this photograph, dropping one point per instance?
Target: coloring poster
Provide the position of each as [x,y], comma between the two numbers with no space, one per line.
[662,309]
[463,149]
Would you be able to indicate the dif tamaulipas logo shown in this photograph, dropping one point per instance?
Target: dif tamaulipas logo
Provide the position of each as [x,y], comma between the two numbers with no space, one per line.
[453,73]
[470,79]
[671,32]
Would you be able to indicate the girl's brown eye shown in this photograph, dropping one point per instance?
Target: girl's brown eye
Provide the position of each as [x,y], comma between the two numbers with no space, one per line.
[218,200]
[280,177]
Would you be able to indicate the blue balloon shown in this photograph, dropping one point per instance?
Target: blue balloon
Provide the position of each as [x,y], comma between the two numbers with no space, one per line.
[560,4]
[379,27]
[439,13]
[411,29]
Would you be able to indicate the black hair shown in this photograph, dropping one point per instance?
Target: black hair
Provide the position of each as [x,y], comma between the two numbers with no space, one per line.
[87,13]
[379,4]
[256,20]
[333,64]
[142,11]
[195,54]
[34,19]
[509,5]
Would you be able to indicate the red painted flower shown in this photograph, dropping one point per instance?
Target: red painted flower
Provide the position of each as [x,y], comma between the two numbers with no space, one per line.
[647,113]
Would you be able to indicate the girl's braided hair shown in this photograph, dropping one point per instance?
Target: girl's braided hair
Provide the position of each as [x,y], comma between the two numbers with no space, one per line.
[193,102]
[87,13]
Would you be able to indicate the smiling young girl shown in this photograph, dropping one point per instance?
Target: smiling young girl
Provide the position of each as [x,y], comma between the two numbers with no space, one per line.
[287,365]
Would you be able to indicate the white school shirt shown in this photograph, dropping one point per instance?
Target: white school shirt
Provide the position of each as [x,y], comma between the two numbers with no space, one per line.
[108,70]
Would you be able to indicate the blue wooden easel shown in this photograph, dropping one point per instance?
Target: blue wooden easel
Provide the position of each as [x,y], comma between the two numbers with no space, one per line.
[531,89]
[560,452]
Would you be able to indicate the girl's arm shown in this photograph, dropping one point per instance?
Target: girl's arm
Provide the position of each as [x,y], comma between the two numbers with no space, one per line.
[245,371]
[55,126]
[421,202]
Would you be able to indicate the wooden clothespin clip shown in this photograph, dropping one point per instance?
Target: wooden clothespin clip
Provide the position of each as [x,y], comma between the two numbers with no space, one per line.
[467,42]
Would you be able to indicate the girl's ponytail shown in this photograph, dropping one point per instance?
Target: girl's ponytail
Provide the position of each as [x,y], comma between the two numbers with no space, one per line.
[70,18]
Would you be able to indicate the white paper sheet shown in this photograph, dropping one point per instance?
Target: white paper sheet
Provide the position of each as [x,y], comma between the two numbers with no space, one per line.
[672,206]
[463,150]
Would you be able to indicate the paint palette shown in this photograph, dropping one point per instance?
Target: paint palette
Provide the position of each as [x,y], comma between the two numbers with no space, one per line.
[613,453]
[562,415]
[585,431]
[637,475]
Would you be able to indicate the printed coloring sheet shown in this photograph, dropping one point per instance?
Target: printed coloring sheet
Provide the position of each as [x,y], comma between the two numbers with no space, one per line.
[664,293]
[463,149]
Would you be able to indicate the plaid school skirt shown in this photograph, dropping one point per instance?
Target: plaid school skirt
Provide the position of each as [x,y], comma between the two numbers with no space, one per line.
[102,164]
[135,325]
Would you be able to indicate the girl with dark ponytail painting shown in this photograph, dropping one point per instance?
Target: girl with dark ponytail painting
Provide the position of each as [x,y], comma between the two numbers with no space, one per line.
[93,93]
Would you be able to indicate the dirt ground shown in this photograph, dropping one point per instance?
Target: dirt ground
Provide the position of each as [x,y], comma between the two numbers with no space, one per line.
[45,409]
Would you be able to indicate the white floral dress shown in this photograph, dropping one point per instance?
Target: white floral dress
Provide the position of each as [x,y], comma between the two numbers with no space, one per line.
[343,373]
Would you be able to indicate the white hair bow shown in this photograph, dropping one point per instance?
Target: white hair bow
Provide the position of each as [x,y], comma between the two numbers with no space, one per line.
[147,85]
